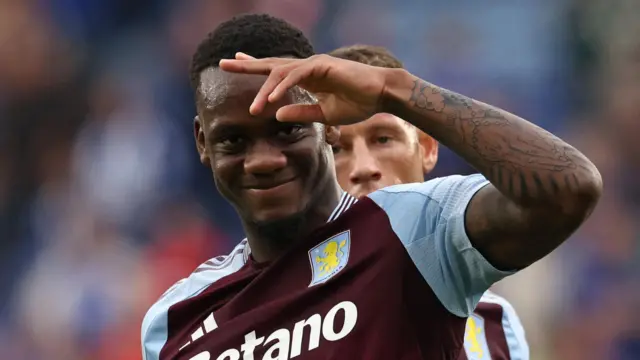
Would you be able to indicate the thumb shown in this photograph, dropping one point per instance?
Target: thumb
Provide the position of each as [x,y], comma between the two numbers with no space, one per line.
[301,113]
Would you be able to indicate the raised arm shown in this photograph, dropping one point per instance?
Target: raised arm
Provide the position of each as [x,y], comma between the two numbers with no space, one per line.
[541,188]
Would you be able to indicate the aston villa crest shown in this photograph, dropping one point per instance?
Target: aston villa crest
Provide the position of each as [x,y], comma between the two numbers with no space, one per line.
[329,257]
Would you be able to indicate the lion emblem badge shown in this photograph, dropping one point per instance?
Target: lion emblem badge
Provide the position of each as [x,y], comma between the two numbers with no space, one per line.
[329,257]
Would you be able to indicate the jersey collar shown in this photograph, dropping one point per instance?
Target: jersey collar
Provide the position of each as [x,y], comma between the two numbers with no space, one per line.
[346,201]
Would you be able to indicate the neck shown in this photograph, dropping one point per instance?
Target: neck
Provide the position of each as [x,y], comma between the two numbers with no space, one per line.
[270,241]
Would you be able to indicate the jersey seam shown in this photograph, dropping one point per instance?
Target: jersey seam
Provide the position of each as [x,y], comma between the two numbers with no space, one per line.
[441,221]
[413,192]
[467,313]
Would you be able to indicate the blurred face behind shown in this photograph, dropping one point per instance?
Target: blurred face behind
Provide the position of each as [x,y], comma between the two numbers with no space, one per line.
[269,171]
[382,151]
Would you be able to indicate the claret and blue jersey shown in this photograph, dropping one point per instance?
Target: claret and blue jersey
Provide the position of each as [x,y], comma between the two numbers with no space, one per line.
[392,276]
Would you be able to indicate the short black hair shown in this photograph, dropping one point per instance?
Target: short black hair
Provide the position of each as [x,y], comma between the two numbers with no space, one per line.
[368,55]
[259,35]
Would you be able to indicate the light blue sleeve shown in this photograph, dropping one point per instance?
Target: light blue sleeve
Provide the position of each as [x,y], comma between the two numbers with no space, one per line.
[155,325]
[429,220]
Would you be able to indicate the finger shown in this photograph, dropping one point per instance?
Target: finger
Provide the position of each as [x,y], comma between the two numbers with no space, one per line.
[275,77]
[292,78]
[256,66]
[243,56]
[301,113]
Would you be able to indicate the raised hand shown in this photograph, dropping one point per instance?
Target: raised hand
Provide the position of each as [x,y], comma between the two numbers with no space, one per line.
[347,91]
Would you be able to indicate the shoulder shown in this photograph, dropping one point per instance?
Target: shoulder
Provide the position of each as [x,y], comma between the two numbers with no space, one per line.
[154,325]
[429,219]
[434,186]
[210,271]
[444,195]
[416,210]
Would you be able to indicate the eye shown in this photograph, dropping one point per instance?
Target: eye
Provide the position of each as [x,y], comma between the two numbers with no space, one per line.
[289,130]
[290,133]
[230,143]
[231,140]
[336,149]
[383,139]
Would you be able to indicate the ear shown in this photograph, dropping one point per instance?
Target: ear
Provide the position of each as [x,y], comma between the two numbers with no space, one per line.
[332,134]
[429,148]
[198,134]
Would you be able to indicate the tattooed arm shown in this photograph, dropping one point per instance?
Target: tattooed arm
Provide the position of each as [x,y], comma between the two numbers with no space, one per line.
[541,188]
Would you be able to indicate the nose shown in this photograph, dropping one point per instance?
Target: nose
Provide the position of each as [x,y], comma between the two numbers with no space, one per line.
[365,167]
[263,158]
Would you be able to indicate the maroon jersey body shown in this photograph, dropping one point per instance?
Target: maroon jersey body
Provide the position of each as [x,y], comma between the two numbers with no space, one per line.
[360,287]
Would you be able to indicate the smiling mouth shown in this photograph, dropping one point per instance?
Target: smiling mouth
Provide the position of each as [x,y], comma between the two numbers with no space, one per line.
[270,185]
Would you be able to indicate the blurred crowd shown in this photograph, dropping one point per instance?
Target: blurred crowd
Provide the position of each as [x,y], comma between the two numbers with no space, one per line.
[103,204]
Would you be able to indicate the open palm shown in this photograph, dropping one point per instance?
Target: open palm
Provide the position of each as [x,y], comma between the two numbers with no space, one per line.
[347,91]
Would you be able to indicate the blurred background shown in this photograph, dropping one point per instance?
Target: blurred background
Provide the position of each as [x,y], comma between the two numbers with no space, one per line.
[103,203]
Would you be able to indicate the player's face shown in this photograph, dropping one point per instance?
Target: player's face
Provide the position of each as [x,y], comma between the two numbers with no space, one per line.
[268,170]
[382,151]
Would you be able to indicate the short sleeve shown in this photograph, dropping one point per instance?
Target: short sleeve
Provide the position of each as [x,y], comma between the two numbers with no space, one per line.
[429,219]
[155,325]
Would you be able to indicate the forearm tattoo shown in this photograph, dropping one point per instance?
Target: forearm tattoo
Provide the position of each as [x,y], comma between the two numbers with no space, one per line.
[522,160]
